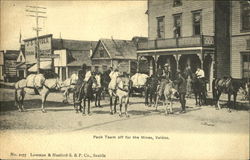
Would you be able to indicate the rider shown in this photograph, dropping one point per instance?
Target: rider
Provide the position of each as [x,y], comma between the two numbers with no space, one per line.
[79,84]
[165,78]
[182,87]
[201,76]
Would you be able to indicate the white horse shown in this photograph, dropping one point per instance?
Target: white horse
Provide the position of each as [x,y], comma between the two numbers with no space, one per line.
[69,86]
[47,85]
[169,93]
[121,93]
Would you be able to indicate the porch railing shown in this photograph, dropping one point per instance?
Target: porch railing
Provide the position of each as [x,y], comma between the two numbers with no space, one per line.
[194,41]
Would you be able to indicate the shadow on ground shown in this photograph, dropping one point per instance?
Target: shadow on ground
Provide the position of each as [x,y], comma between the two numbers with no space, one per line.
[30,104]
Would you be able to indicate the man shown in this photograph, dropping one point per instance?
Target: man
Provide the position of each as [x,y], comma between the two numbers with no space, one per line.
[79,84]
[165,78]
[200,73]
[201,76]
[181,87]
[187,75]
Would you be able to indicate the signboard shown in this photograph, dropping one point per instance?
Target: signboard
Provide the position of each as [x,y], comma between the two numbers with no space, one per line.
[61,61]
[45,47]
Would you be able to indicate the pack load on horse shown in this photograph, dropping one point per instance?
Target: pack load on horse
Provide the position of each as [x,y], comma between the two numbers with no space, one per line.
[85,93]
[229,86]
[68,86]
[120,91]
[139,82]
[38,82]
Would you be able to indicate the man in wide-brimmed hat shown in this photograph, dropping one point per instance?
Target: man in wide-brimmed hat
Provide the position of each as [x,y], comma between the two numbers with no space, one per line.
[182,88]
[165,78]
[79,84]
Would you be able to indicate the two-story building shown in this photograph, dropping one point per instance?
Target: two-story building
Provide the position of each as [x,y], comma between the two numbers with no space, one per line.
[10,58]
[185,33]
[240,39]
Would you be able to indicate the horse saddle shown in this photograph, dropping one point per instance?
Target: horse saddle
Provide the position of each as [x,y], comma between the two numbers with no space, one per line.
[224,83]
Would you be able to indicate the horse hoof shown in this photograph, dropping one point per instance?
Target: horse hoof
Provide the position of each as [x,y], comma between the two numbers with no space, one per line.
[127,115]
[83,114]
[44,111]
[20,110]
[120,115]
[89,114]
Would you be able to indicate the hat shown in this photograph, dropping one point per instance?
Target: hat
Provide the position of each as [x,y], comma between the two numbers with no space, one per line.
[166,65]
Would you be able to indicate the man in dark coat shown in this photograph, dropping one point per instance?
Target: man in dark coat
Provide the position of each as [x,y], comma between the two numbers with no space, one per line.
[182,88]
[79,84]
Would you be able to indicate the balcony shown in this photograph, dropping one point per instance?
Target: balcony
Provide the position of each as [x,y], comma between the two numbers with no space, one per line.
[181,42]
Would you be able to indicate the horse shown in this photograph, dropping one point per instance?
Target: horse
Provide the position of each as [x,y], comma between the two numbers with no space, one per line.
[86,94]
[199,90]
[150,89]
[47,86]
[121,93]
[169,93]
[229,86]
[97,89]
[138,82]
[69,86]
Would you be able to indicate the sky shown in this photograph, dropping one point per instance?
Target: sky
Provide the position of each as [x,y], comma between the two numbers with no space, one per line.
[78,20]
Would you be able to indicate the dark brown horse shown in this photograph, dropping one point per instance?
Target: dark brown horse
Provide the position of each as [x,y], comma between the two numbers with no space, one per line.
[86,94]
[229,86]
[150,90]
[98,89]
[199,90]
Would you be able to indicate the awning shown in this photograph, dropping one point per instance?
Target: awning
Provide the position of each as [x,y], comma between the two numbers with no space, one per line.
[43,65]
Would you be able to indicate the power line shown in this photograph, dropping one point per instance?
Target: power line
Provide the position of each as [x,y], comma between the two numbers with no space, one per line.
[36,11]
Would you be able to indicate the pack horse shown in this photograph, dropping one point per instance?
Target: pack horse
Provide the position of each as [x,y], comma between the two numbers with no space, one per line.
[38,82]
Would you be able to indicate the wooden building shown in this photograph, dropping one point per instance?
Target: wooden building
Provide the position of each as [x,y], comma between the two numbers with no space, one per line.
[1,65]
[184,33]
[71,54]
[10,58]
[240,39]
[115,53]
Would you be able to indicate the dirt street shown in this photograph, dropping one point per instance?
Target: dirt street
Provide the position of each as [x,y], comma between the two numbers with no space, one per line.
[62,117]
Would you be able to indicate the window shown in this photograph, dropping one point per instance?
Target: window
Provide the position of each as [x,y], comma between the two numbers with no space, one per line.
[246,65]
[196,23]
[177,3]
[177,25]
[245,16]
[160,27]
[101,53]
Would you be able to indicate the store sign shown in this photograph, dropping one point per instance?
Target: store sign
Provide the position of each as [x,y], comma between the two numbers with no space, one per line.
[61,61]
[45,48]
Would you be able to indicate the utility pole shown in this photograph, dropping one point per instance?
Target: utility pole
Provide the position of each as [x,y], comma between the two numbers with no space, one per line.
[37,12]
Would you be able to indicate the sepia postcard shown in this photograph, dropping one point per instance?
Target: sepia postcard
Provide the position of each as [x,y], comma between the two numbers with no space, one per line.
[146,79]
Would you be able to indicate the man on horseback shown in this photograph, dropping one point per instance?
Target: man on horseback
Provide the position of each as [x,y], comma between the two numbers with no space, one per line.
[80,82]
[201,77]
[113,76]
[165,77]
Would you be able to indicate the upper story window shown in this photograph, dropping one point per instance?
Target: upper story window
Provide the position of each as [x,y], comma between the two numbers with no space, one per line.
[245,16]
[177,3]
[160,27]
[177,25]
[196,23]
